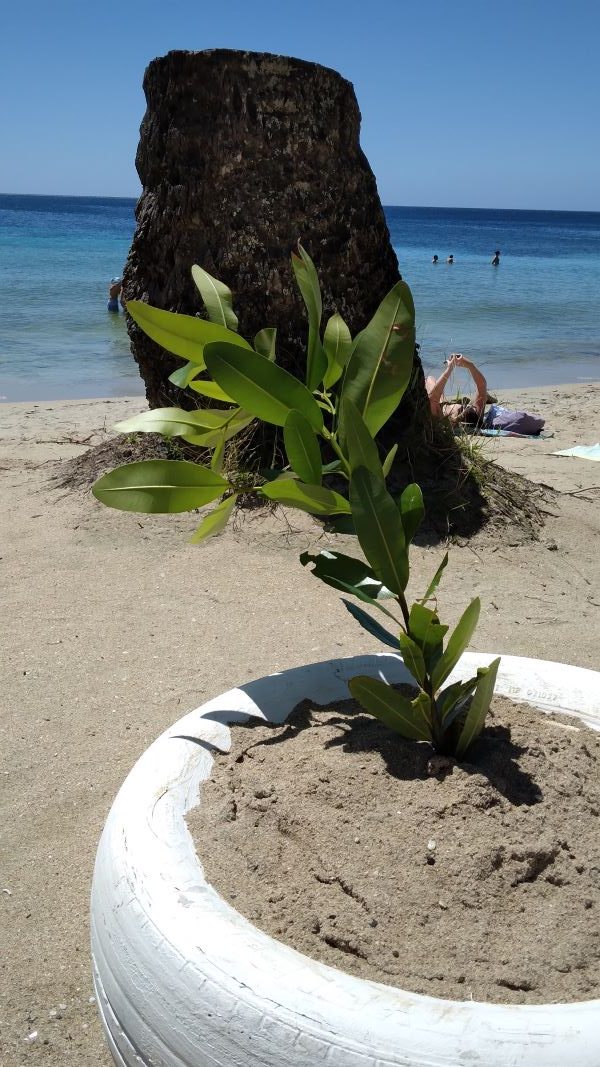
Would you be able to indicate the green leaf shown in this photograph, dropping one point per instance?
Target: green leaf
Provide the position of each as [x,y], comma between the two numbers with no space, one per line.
[216,461]
[412,510]
[413,657]
[211,438]
[391,707]
[425,629]
[173,422]
[184,375]
[211,389]
[435,581]
[308,283]
[457,643]
[422,704]
[389,459]
[312,498]
[379,528]
[348,574]
[216,521]
[337,344]
[450,701]
[478,710]
[183,335]
[271,474]
[379,369]
[264,342]
[371,625]
[302,448]
[260,386]
[217,298]
[159,486]
[362,450]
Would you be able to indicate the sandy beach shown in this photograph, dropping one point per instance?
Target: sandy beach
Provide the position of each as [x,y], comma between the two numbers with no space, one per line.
[114,626]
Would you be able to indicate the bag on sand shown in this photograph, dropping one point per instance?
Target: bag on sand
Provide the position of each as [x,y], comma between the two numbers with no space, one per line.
[498,417]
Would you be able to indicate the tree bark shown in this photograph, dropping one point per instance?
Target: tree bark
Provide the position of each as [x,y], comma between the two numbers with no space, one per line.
[240,155]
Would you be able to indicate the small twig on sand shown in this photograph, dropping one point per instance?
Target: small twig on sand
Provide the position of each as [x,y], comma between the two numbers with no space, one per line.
[582,576]
[575,492]
[66,440]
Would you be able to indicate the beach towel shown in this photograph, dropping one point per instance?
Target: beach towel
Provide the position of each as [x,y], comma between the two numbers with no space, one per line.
[582,452]
[543,434]
[497,417]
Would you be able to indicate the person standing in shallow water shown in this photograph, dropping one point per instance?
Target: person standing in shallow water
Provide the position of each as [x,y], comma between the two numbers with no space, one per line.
[435,259]
[450,259]
[496,259]
[114,291]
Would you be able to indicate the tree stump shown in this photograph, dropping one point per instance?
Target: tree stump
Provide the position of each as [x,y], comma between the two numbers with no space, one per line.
[241,154]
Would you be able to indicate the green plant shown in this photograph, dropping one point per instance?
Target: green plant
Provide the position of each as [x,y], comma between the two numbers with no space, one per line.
[472,451]
[352,388]
[449,718]
[373,370]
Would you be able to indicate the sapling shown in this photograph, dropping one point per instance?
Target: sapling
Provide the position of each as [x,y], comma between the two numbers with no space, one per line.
[449,718]
[352,387]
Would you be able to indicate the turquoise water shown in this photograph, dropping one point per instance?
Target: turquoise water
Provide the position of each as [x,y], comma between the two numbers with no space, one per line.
[57,256]
[532,320]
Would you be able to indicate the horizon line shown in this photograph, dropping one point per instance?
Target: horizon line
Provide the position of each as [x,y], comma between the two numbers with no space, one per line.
[420,207]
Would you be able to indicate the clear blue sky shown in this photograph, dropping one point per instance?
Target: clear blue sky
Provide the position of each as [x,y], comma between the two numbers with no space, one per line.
[473,104]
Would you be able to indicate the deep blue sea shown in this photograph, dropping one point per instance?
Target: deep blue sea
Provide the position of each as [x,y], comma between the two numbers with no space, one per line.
[532,320]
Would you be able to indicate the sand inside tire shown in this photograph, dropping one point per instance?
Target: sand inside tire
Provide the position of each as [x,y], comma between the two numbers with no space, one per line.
[478,880]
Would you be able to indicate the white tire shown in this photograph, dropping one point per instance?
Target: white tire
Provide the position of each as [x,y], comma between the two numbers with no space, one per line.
[183,980]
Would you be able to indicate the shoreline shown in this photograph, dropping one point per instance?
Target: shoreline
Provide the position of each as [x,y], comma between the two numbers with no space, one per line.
[140,398]
[58,430]
[512,375]
[55,430]
[492,373]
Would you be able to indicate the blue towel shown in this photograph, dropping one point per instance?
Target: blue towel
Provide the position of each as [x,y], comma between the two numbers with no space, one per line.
[512,433]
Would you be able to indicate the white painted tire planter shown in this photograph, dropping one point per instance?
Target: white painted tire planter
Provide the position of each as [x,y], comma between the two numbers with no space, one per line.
[183,980]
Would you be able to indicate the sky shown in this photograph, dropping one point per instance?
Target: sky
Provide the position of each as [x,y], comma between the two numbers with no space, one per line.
[464,104]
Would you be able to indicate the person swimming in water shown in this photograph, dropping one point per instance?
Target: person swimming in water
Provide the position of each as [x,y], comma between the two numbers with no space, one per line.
[114,291]
[496,259]
[435,259]
[450,259]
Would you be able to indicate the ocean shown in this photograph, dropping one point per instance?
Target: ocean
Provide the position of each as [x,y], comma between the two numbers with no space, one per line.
[533,320]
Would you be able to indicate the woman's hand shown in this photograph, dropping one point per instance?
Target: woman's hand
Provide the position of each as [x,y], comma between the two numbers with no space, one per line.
[461,361]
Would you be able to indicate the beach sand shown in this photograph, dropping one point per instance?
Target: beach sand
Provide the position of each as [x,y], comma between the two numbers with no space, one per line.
[114,626]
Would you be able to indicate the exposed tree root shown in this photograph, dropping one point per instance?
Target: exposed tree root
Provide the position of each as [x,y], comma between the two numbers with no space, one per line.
[463,493]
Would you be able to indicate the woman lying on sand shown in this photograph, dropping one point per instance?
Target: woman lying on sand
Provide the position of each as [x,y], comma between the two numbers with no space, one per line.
[469,411]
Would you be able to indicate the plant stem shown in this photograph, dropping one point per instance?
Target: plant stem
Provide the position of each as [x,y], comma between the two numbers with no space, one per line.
[437,733]
[330,438]
[404,609]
